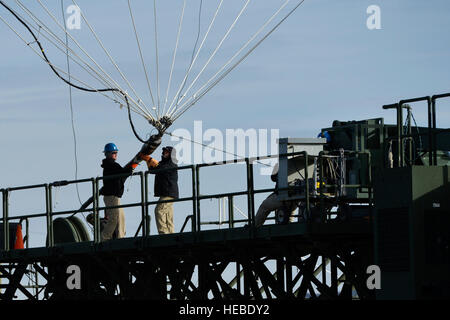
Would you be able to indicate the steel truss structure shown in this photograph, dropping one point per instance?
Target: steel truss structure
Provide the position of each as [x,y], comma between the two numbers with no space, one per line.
[305,267]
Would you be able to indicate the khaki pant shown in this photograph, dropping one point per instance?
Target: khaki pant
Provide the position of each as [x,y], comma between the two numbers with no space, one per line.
[116,218]
[271,204]
[164,216]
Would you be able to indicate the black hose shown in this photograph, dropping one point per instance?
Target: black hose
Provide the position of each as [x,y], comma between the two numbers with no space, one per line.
[69,82]
[131,121]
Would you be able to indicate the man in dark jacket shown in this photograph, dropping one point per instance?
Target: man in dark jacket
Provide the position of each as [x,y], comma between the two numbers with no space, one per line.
[112,191]
[166,188]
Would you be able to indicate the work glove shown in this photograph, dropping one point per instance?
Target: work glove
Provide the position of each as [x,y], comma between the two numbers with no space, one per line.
[152,163]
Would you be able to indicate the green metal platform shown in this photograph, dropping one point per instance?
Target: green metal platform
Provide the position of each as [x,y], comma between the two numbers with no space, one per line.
[301,233]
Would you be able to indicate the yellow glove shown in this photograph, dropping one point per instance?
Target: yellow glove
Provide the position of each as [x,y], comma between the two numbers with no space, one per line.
[152,163]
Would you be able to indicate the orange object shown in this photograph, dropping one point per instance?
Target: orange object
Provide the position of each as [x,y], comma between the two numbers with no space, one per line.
[152,163]
[145,157]
[19,238]
[134,165]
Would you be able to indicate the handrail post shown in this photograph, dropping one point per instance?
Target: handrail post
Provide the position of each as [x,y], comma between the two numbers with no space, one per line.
[143,205]
[252,193]
[48,197]
[197,214]
[409,132]
[95,210]
[97,203]
[369,160]
[400,133]
[321,195]
[432,132]
[5,220]
[194,198]
[251,214]
[230,212]
[308,212]
[147,216]
[431,125]
[27,226]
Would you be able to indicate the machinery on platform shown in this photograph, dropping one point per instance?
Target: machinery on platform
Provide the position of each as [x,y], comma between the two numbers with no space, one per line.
[367,193]
[396,175]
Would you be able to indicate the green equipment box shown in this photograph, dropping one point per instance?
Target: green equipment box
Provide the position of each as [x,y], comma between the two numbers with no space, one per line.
[412,232]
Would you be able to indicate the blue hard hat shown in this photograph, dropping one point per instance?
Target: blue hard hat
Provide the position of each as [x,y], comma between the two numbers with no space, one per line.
[110,147]
[324,134]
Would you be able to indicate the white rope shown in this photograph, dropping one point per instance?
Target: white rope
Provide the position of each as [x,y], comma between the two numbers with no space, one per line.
[96,76]
[180,103]
[194,96]
[139,100]
[156,57]
[214,52]
[235,207]
[196,55]
[44,28]
[39,22]
[116,95]
[199,28]
[110,58]
[64,72]
[198,97]
[144,113]
[140,53]
[213,148]
[174,57]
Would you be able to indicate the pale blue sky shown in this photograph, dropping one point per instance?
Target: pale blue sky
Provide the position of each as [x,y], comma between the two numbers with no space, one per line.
[322,64]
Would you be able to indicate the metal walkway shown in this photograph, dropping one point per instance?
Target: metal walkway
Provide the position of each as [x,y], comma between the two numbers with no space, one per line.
[323,259]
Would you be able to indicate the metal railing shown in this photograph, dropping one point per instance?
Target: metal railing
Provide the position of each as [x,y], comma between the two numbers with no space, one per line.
[431,133]
[144,202]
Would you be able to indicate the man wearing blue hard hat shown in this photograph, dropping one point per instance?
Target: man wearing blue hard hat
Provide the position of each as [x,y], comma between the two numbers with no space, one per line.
[113,187]
[112,191]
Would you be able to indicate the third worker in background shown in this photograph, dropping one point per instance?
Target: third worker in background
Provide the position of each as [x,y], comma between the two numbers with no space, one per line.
[272,203]
[166,188]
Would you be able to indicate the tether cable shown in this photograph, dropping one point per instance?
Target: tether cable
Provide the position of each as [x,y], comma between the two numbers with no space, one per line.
[71,107]
[68,81]
[217,149]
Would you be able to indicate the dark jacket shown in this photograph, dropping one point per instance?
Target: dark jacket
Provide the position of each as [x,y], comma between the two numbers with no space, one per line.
[166,182]
[114,186]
